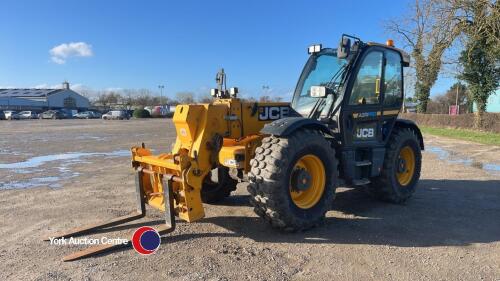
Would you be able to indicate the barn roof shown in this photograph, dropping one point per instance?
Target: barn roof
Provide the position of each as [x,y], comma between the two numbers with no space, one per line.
[25,93]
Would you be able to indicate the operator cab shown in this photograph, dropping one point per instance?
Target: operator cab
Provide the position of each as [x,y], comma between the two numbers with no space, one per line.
[357,91]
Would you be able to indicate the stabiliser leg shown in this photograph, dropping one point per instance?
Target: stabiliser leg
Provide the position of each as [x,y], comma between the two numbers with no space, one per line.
[140,213]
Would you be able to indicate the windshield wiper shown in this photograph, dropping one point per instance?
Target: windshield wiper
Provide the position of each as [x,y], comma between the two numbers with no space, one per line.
[337,75]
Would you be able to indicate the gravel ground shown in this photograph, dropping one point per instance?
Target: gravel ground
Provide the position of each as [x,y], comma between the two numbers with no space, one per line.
[68,173]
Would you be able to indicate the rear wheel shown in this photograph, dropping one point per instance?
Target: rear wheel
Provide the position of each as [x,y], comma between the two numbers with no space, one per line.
[401,171]
[217,185]
[293,180]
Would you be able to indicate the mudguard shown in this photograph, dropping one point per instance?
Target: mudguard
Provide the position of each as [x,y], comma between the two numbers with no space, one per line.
[286,126]
[405,123]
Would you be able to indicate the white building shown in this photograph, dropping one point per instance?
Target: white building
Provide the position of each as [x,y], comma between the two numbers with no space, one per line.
[42,99]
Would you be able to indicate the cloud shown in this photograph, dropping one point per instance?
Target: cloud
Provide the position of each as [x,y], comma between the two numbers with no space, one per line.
[60,53]
[46,86]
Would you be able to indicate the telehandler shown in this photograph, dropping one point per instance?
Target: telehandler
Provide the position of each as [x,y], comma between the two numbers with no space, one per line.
[341,127]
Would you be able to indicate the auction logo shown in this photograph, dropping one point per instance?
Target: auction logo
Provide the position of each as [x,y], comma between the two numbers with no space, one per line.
[146,240]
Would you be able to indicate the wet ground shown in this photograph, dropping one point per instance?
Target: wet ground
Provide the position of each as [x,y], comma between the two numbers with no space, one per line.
[56,174]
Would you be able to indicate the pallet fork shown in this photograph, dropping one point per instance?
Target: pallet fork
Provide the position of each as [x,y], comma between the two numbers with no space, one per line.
[169,226]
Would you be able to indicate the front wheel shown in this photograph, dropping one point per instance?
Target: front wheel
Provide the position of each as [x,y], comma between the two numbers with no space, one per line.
[401,169]
[293,180]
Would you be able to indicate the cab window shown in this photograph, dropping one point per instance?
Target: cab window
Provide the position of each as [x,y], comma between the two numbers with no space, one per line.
[393,94]
[366,88]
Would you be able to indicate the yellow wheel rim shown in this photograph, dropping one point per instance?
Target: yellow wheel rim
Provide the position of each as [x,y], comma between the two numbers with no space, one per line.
[313,183]
[405,165]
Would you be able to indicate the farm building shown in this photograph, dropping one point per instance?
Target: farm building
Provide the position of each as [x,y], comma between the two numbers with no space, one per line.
[42,99]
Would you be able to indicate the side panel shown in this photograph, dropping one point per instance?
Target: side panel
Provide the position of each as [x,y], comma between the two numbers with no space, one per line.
[257,114]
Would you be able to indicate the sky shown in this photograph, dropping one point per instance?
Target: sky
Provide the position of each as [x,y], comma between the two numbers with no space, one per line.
[101,45]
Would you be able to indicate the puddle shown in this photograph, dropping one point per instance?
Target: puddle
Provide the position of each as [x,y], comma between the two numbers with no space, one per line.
[4,151]
[34,182]
[455,158]
[63,161]
[90,137]
[71,156]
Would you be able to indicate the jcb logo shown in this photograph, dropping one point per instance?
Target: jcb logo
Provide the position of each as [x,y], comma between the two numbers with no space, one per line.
[273,112]
[365,133]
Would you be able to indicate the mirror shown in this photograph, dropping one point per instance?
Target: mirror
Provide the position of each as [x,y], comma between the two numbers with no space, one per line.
[318,91]
[344,48]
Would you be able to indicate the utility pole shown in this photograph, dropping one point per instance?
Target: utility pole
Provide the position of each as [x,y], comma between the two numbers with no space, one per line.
[161,87]
[456,100]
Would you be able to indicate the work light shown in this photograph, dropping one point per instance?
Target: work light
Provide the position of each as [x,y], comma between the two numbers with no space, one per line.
[314,49]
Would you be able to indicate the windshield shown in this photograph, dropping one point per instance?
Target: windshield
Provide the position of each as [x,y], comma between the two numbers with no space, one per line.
[319,70]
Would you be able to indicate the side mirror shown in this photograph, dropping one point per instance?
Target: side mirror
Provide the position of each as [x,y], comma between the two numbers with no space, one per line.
[344,48]
[318,91]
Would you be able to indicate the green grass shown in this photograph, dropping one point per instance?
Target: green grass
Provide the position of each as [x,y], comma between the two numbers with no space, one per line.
[469,135]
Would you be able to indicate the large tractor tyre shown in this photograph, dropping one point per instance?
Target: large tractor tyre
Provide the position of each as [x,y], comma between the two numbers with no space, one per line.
[293,180]
[217,185]
[401,169]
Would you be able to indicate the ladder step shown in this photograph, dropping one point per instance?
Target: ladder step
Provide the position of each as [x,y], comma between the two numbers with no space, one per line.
[362,181]
[363,163]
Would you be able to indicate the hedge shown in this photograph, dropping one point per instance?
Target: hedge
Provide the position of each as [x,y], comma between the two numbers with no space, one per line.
[141,113]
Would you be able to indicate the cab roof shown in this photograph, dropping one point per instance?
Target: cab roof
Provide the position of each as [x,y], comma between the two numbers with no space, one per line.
[404,55]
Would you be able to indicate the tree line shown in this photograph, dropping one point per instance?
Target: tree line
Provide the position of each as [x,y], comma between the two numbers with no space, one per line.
[461,33]
[132,98]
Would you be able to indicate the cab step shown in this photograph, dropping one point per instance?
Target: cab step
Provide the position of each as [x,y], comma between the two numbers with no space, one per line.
[362,181]
[363,163]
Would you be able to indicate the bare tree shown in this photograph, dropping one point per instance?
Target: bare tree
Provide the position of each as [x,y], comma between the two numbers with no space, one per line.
[250,99]
[205,100]
[265,99]
[101,99]
[431,28]
[185,97]
[128,98]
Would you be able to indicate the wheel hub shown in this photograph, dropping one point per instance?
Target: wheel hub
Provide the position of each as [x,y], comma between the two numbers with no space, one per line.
[405,166]
[307,181]
[401,165]
[301,180]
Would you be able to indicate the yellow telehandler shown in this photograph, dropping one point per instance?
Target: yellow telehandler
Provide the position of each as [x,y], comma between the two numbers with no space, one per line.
[341,127]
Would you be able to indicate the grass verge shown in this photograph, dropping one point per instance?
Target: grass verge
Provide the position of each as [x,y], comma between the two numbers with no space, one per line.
[469,135]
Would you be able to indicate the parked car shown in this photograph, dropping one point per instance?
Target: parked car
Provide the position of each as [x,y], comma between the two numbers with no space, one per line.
[52,114]
[85,115]
[27,115]
[116,114]
[2,115]
[11,115]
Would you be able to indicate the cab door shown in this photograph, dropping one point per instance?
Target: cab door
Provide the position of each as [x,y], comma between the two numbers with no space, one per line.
[362,106]
[392,91]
